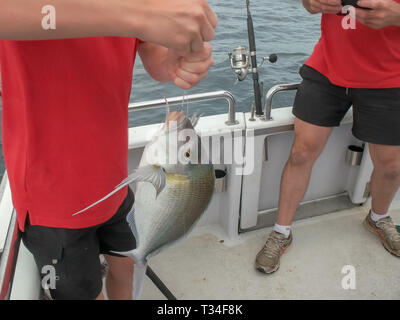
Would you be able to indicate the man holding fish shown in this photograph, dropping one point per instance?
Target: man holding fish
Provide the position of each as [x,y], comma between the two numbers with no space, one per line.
[349,67]
[65,123]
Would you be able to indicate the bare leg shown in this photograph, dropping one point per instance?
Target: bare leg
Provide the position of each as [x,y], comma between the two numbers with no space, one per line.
[119,278]
[309,142]
[385,179]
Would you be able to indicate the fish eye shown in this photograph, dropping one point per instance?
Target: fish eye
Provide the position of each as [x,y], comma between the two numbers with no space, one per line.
[187,154]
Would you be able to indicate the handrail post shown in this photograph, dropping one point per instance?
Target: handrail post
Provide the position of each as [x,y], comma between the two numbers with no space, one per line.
[270,94]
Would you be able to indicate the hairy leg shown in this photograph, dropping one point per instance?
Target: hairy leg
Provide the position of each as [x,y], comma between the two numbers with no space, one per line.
[308,144]
[119,278]
[385,179]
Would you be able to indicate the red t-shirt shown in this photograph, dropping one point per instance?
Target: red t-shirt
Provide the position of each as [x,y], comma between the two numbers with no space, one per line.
[65,126]
[357,58]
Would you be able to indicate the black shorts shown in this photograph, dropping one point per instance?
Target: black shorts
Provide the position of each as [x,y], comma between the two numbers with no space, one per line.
[74,253]
[376,112]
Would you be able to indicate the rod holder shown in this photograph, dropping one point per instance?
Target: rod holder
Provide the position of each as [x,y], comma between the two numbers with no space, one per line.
[354,155]
[220,180]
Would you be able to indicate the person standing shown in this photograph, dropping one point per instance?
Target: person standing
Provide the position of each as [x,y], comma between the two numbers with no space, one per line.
[349,67]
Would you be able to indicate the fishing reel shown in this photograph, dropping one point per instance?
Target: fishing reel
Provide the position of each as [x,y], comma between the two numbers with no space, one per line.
[241,62]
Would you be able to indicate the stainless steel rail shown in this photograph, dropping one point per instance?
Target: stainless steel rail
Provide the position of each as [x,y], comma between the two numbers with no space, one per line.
[9,257]
[215,95]
[270,94]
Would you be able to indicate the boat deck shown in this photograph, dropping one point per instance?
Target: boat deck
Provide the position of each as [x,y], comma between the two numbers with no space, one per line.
[204,267]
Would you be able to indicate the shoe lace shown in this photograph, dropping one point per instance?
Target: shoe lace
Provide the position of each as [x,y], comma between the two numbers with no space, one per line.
[274,245]
[388,227]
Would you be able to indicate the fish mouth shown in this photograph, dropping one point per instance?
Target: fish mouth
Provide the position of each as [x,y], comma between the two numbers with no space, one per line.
[179,121]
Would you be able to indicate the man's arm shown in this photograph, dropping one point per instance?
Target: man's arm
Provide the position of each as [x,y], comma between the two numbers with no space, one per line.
[322,6]
[154,58]
[383,13]
[180,24]
[165,65]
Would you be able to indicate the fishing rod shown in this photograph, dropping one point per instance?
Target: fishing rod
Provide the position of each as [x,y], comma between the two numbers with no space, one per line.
[253,57]
[244,62]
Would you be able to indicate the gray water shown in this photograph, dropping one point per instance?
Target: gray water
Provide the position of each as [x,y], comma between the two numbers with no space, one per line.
[282,27]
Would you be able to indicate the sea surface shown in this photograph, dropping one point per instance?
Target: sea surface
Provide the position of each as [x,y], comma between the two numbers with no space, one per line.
[282,27]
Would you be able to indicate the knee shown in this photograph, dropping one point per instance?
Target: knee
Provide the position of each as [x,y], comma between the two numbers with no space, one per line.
[122,270]
[303,154]
[390,168]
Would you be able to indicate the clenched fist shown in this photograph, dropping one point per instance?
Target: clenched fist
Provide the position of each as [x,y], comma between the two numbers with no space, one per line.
[187,71]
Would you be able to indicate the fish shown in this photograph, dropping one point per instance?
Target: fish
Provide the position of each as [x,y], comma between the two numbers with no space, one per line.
[173,188]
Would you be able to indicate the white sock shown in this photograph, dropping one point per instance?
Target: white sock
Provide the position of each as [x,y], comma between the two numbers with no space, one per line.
[285,230]
[375,217]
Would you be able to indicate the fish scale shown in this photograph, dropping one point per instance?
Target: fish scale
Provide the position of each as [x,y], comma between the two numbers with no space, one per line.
[188,197]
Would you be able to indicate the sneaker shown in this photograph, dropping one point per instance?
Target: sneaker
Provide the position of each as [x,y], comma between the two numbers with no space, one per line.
[267,260]
[387,231]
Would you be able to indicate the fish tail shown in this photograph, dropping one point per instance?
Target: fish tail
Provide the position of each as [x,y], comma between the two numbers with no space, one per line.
[138,279]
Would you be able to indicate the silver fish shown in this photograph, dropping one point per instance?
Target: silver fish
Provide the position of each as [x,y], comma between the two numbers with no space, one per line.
[170,196]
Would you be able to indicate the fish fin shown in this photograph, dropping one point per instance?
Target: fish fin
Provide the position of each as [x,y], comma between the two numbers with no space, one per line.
[194,119]
[151,173]
[130,218]
[139,273]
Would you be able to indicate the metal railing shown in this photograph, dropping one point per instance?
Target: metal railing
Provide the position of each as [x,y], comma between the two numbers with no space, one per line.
[215,95]
[270,94]
[9,257]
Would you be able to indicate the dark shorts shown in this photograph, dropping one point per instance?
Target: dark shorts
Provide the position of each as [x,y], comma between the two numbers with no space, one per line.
[74,253]
[376,112]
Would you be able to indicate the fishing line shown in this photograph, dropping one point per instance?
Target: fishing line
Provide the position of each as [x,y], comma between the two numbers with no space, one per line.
[183,100]
[167,108]
[187,106]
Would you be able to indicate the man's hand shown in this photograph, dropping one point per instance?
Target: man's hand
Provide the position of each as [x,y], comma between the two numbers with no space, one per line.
[323,6]
[165,65]
[181,25]
[384,13]
[187,71]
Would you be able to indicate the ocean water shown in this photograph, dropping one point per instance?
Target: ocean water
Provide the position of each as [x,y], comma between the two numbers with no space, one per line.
[282,27]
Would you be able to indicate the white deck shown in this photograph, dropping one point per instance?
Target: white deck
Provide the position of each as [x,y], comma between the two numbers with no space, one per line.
[204,268]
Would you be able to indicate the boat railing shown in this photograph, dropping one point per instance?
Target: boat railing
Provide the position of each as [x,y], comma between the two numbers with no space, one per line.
[199,97]
[271,93]
[9,254]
